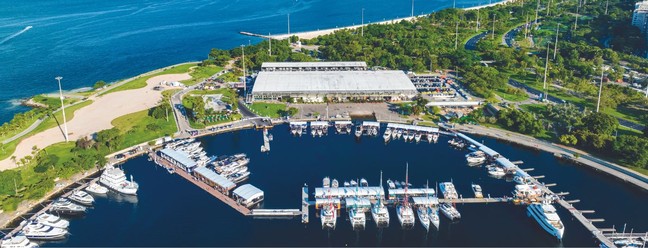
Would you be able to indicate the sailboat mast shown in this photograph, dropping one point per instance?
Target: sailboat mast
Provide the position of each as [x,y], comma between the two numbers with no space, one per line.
[406,181]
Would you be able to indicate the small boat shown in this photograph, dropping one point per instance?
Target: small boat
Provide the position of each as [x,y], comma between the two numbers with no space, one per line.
[326,182]
[37,231]
[429,137]
[477,190]
[394,134]
[293,131]
[347,184]
[18,241]
[358,131]
[335,184]
[476,157]
[417,137]
[399,134]
[387,134]
[364,183]
[320,132]
[313,132]
[82,197]
[64,206]
[354,183]
[391,184]
[435,137]
[424,217]
[96,189]
[496,171]
[52,220]
[450,211]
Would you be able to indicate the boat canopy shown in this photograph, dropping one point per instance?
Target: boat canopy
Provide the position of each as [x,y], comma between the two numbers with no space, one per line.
[490,152]
[319,124]
[343,123]
[298,123]
[370,124]
[248,192]
[419,200]
[180,157]
[357,202]
[344,192]
[215,178]
[412,127]
[411,192]
[506,164]
[466,138]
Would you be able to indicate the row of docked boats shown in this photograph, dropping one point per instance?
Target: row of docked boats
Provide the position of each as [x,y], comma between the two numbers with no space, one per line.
[327,182]
[409,135]
[192,149]
[234,167]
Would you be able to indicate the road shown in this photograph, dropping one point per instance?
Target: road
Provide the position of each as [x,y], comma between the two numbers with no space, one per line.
[471,44]
[509,37]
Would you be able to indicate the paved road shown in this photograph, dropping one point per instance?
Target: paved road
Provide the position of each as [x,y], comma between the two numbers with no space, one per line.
[29,129]
[471,44]
[509,37]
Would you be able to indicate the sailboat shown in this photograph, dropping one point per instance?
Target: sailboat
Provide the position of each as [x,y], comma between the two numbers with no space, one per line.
[329,214]
[404,211]
[358,218]
[424,215]
[379,211]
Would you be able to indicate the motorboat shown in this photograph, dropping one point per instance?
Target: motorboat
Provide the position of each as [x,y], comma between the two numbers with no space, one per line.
[476,157]
[448,190]
[17,241]
[52,220]
[347,184]
[313,132]
[496,171]
[326,182]
[358,131]
[354,183]
[37,231]
[428,136]
[417,137]
[96,189]
[63,206]
[358,218]
[424,217]
[399,134]
[335,183]
[545,214]
[435,137]
[115,179]
[477,190]
[364,183]
[387,134]
[82,198]
[450,211]
[394,134]
[391,184]
[320,132]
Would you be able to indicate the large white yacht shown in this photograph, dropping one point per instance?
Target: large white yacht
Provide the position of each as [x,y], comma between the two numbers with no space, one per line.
[545,214]
[115,179]
[52,220]
[476,157]
[18,241]
[358,218]
[37,231]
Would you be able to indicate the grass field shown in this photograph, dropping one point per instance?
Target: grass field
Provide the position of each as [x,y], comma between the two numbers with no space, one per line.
[510,97]
[140,82]
[200,73]
[268,109]
[139,127]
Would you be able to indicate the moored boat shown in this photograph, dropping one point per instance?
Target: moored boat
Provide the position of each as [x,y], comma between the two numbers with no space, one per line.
[37,231]
[17,241]
[63,206]
[115,179]
[96,189]
[424,217]
[52,220]
[477,190]
[449,211]
[82,198]
[545,214]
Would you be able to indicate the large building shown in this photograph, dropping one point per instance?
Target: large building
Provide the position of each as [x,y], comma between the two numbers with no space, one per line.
[335,81]
[640,17]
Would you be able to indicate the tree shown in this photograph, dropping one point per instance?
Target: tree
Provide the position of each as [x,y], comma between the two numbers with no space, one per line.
[568,139]
[645,132]
[600,123]
[110,138]
[99,84]
[632,149]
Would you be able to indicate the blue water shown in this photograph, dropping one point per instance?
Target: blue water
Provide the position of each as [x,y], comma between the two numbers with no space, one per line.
[169,211]
[90,40]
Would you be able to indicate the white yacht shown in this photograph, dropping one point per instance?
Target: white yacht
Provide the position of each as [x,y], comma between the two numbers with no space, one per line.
[96,189]
[477,190]
[424,217]
[18,241]
[379,212]
[335,183]
[435,137]
[476,157]
[326,182]
[496,171]
[417,137]
[115,179]
[328,214]
[404,211]
[37,231]
[394,134]
[399,134]
[64,206]
[448,190]
[52,220]
[450,211]
[391,184]
[433,214]
[387,134]
[545,214]
[358,131]
[82,197]
[358,218]
[364,183]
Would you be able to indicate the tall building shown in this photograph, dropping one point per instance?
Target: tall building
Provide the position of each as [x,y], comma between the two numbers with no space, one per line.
[640,17]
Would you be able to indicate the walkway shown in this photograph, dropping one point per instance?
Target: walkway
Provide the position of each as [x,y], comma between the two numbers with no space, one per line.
[26,131]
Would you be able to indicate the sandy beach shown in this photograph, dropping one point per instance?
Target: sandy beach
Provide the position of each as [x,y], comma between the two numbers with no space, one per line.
[97,116]
[316,33]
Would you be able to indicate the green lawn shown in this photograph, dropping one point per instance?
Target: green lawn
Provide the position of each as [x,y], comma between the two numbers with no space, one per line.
[139,127]
[140,82]
[50,122]
[268,109]
[200,73]
[534,108]
[510,97]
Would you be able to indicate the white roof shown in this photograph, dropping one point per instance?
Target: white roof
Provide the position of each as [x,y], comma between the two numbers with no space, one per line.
[180,156]
[313,64]
[343,123]
[319,123]
[412,127]
[349,191]
[298,123]
[217,179]
[422,191]
[332,82]
[370,123]
[248,192]
[488,151]
[420,200]
[506,164]
[453,103]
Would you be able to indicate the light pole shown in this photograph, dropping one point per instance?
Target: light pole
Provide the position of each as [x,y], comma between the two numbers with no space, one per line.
[362,25]
[598,103]
[65,130]
[412,8]
[244,78]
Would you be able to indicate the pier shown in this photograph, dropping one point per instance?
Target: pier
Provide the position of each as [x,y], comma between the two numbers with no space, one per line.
[304,205]
[275,212]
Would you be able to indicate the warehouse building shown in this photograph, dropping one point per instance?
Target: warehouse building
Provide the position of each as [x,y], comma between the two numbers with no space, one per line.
[311,82]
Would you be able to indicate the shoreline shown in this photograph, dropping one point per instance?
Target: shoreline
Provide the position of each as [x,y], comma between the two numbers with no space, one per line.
[316,33]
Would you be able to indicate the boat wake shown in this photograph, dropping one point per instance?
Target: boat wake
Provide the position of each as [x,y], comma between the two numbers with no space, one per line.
[15,35]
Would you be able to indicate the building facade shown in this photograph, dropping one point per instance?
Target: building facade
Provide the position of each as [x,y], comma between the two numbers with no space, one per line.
[640,17]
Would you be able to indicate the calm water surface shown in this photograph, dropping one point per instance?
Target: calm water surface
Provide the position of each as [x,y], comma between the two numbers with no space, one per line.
[170,211]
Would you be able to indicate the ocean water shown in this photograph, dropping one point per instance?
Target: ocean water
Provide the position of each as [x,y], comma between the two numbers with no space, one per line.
[169,211]
[89,40]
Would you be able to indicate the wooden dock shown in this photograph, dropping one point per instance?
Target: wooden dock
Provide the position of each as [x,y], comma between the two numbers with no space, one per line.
[305,205]
[477,200]
[224,198]
[275,212]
